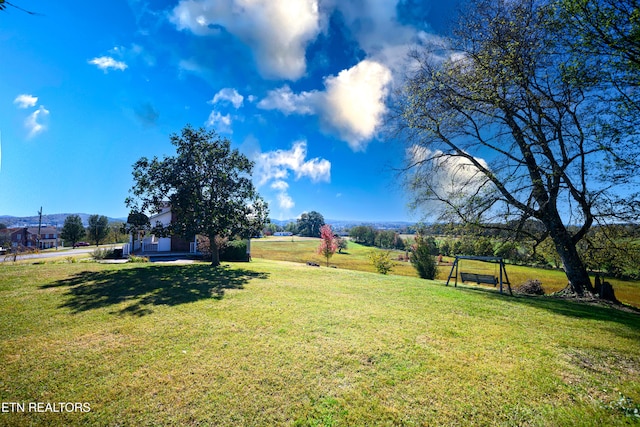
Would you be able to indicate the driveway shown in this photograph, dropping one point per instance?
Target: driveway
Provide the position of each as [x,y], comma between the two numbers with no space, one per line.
[60,252]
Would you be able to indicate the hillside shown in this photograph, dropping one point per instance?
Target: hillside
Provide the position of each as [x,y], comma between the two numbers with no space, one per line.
[56,220]
[277,343]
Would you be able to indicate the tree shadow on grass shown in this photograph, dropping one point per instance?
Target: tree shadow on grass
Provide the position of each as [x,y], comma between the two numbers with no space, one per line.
[144,287]
[625,315]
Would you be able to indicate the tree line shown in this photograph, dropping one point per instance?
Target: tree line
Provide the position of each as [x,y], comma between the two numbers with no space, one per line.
[98,230]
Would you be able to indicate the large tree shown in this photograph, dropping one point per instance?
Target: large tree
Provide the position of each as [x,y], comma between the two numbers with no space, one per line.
[501,134]
[604,41]
[309,224]
[72,230]
[208,186]
[98,228]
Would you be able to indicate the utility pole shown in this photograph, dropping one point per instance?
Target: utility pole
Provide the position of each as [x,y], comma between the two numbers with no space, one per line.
[39,227]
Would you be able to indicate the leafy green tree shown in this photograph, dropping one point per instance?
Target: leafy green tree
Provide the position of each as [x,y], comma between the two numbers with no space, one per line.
[208,185]
[386,239]
[72,230]
[98,228]
[500,134]
[270,229]
[291,227]
[137,224]
[5,236]
[364,235]
[483,247]
[117,232]
[445,247]
[609,249]
[309,224]
[508,250]
[547,250]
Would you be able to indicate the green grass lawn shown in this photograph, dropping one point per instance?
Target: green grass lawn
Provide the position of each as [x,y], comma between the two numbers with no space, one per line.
[279,343]
[356,258]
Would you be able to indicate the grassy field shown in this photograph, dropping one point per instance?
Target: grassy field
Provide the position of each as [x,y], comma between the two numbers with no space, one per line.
[355,258]
[279,343]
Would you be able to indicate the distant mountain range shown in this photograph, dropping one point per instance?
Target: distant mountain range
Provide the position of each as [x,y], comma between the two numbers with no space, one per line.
[58,220]
[343,224]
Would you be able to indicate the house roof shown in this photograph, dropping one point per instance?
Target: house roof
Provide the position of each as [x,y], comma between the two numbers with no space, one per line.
[34,230]
[43,230]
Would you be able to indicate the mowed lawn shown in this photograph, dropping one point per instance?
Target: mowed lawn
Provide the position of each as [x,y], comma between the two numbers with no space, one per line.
[301,249]
[279,343]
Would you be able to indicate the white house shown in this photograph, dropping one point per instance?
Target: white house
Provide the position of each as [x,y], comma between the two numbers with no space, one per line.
[153,243]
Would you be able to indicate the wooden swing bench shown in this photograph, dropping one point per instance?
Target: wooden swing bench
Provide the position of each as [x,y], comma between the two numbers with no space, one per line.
[479,278]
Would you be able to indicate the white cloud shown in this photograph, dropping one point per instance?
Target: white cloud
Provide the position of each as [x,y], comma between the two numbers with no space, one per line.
[190,65]
[133,53]
[284,100]
[285,201]
[351,106]
[449,176]
[355,102]
[276,167]
[106,62]
[25,101]
[277,31]
[34,121]
[228,95]
[280,185]
[221,123]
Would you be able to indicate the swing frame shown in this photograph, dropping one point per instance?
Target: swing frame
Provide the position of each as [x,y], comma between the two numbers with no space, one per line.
[502,279]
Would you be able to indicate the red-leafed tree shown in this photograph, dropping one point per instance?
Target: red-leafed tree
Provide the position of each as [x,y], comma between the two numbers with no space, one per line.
[328,243]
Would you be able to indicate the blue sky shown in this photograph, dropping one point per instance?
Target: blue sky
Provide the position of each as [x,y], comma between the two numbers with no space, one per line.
[300,86]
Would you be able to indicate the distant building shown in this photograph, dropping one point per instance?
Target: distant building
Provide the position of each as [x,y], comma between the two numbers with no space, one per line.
[27,237]
[283,233]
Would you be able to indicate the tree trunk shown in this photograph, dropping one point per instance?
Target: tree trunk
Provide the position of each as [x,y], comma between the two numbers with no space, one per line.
[215,251]
[579,281]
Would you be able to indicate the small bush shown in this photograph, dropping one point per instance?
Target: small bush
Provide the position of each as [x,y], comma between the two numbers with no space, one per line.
[71,259]
[102,253]
[136,258]
[531,287]
[381,261]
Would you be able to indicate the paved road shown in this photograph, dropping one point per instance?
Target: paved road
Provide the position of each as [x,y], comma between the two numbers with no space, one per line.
[59,252]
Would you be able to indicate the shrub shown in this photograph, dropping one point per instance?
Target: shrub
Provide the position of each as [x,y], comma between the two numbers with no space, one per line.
[136,258]
[102,253]
[381,261]
[234,250]
[422,259]
[531,287]
[228,250]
